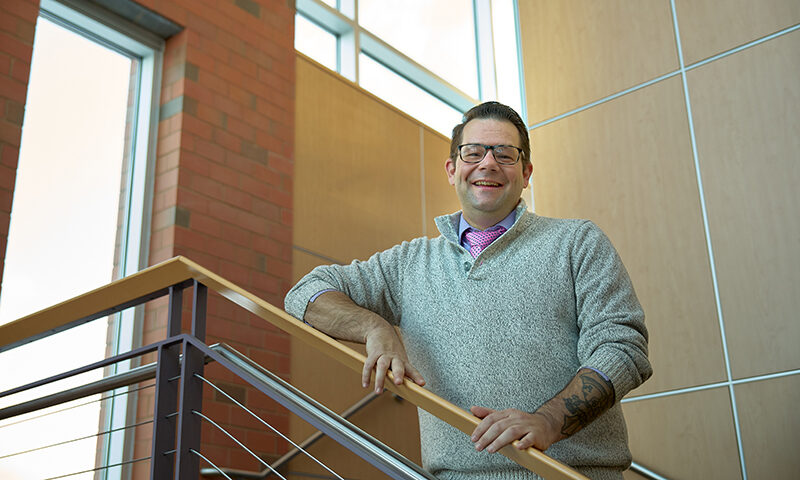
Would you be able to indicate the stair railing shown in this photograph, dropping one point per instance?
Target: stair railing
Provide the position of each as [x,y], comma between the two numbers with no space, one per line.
[171,278]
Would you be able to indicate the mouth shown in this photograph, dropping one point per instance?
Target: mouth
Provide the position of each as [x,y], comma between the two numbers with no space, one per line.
[487,184]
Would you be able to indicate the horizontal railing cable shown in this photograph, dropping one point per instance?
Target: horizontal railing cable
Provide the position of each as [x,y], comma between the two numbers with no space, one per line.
[266,424]
[212,422]
[192,450]
[97,469]
[78,439]
[345,433]
[107,397]
[305,444]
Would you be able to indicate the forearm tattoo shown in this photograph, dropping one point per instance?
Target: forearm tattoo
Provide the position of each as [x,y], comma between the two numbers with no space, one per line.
[597,396]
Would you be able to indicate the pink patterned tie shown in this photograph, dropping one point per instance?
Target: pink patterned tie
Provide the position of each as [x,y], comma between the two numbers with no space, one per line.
[479,240]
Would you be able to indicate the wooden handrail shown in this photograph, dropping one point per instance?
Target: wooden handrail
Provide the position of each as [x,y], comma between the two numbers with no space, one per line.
[180,269]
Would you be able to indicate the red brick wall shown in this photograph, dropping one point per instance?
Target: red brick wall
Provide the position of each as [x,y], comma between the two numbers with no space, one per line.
[223,190]
[223,186]
[17,26]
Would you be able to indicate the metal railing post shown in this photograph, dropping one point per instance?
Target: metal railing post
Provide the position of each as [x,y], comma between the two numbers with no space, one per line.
[168,367]
[199,302]
[167,370]
[191,400]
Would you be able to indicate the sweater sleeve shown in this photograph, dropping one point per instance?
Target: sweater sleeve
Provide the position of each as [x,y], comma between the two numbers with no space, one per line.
[612,333]
[374,284]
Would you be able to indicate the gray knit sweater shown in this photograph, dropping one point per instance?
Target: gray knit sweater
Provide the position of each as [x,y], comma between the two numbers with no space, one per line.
[508,329]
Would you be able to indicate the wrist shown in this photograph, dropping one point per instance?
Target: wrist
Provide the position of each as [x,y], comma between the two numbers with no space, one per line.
[377,326]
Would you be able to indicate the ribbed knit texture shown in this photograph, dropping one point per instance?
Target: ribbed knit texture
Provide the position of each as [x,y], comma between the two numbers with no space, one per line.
[508,329]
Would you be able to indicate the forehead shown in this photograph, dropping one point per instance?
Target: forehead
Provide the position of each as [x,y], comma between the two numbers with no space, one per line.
[490,132]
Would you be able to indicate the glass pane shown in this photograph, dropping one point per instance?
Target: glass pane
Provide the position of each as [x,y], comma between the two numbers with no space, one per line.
[314,41]
[330,3]
[407,97]
[63,225]
[505,54]
[438,34]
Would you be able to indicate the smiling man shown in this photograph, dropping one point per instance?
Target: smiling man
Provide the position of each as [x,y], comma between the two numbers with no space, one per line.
[529,322]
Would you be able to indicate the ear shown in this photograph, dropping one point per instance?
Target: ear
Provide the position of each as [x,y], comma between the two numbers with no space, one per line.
[527,171]
[450,168]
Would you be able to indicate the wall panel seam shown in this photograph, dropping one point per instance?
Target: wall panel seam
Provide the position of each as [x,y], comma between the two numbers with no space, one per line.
[684,68]
[680,391]
[422,179]
[709,244]
[318,255]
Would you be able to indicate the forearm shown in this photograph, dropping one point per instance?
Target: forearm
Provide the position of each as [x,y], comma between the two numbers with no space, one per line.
[337,315]
[587,396]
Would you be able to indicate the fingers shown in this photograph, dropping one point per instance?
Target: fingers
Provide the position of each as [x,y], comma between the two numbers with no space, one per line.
[414,375]
[382,365]
[500,428]
[380,373]
[398,371]
[366,373]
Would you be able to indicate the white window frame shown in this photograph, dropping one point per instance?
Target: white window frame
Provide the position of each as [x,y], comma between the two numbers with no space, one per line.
[353,39]
[112,31]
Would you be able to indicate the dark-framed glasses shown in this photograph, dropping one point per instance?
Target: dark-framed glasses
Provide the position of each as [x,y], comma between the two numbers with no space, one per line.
[503,154]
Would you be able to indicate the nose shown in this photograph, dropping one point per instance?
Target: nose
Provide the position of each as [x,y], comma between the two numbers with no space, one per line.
[484,163]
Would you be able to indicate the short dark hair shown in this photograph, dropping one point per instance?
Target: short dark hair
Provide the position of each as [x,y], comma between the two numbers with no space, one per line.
[495,111]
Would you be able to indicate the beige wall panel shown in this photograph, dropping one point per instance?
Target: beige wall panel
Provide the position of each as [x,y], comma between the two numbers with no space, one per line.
[630,475]
[709,27]
[685,436]
[337,387]
[770,427]
[578,51]
[746,120]
[302,263]
[383,419]
[440,196]
[357,169]
[627,165]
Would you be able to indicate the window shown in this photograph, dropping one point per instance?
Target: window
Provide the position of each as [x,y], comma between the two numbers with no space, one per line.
[80,215]
[316,42]
[398,91]
[447,55]
[438,35]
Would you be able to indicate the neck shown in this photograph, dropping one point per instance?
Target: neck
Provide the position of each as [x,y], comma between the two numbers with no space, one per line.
[482,221]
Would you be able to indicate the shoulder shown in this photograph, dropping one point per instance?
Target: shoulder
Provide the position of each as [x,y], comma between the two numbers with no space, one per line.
[408,249]
[558,228]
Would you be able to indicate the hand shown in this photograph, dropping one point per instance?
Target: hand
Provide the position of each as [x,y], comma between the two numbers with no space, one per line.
[385,351]
[501,427]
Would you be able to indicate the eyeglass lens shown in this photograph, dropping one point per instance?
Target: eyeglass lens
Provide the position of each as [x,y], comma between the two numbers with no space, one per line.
[503,154]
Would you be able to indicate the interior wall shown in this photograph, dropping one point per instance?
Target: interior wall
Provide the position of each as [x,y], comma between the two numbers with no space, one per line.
[367,177]
[223,198]
[673,125]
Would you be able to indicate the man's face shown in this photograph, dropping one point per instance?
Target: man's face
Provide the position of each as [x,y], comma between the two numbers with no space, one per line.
[488,191]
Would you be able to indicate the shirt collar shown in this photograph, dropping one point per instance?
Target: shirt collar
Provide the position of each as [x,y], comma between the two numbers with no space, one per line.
[506,223]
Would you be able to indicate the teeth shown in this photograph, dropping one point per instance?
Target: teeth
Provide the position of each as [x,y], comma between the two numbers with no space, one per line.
[488,184]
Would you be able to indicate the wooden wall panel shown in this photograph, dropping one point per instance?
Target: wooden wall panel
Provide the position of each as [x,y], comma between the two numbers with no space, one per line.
[627,165]
[440,196]
[357,161]
[770,426]
[709,27]
[746,122]
[392,421]
[578,51]
[691,436]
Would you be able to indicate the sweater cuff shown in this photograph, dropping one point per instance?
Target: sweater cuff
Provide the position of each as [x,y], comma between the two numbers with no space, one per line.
[301,295]
[618,373]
